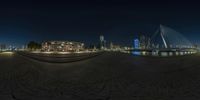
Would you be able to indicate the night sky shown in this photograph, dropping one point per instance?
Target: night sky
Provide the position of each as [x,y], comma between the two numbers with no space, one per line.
[82,20]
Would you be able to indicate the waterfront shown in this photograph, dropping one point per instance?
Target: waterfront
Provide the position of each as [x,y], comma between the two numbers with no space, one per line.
[111,76]
[160,54]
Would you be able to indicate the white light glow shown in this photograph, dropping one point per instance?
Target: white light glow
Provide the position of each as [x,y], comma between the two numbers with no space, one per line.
[164,54]
[35,52]
[143,53]
[7,53]
[64,52]
[170,54]
[47,52]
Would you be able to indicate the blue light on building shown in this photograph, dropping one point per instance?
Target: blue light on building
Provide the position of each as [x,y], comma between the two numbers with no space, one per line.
[136,44]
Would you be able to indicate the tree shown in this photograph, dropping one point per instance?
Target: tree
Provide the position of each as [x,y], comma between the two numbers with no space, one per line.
[34,45]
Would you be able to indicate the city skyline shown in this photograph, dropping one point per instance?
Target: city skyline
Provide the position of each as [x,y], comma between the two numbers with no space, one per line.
[99,50]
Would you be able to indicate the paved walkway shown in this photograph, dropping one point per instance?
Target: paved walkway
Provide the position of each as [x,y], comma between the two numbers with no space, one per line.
[111,76]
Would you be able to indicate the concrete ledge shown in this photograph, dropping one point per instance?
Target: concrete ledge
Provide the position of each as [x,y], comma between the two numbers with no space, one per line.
[66,58]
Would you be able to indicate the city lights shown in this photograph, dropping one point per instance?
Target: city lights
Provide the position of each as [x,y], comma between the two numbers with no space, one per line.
[99,50]
[6,53]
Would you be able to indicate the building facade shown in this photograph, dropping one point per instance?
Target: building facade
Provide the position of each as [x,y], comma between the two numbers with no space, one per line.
[62,46]
[136,44]
[145,42]
[102,42]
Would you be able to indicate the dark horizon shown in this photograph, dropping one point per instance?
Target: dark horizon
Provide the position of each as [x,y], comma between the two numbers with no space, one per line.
[119,21]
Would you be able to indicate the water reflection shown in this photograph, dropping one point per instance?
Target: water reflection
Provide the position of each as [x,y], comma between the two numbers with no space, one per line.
[162,54]
[136,53]
[141,53]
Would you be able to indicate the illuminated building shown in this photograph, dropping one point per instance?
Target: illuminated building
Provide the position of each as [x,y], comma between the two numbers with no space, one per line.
[136,44]
[148,43]
[145,42]
[101,38]
[102,42]
[62,46]
[111,45]
[142,40]
[114,47]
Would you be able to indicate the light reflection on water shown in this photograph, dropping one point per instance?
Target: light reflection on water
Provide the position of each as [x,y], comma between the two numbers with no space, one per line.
[136,53]
[162,54]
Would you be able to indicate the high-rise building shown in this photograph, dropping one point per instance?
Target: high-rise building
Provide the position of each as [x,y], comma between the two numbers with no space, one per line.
[101,38]
[102,42]
[142,40]
[136,44]
[148,43]
[145,42]
[111,45]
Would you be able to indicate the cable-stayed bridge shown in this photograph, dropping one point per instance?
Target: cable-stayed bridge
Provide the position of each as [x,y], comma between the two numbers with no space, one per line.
[169,41]
[166,38]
